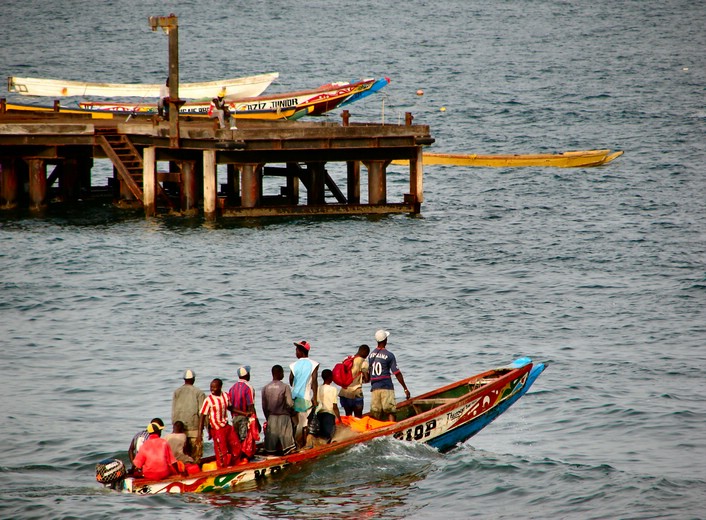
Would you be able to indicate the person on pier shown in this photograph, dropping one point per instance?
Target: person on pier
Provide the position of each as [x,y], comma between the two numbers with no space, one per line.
[382,366]
[163,101]
[219,108]
[214,411]
[303,380]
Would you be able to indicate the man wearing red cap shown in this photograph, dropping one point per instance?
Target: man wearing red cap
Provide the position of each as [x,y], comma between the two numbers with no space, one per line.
[303,377]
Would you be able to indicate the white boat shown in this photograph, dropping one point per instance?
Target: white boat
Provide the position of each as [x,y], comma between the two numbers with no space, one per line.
[248,86]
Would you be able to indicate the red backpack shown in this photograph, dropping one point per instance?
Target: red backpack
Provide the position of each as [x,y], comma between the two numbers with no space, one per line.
[343,372]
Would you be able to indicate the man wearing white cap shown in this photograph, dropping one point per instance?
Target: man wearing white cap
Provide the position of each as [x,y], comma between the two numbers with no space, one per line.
[186,405]
[383,365]
[242,402]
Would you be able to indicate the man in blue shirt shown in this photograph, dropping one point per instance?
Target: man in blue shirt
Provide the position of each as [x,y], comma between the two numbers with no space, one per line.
[382,366]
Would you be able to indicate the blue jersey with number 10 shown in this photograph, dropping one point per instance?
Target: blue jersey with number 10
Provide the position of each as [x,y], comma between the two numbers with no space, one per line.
[382,366]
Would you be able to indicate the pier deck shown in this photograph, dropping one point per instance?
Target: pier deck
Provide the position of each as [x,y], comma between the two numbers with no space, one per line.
[48,155]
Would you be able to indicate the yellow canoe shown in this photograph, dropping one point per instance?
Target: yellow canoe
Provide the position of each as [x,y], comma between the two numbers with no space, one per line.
[11,107]
[577,159]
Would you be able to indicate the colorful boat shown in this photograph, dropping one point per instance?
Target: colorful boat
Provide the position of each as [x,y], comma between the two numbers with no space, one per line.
[236,87]
[577,159]
[287,105]
[442,418]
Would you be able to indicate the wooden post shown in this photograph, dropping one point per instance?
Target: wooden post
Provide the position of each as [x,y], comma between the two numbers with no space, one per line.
[233,190]
[353,181]
[209,184]
[9,183]
[251,185]
[316,191]
[188,186]
[377,188]
[416,176]
[293,183]
[170,25]
[69,179]
[37,183]
[149,180]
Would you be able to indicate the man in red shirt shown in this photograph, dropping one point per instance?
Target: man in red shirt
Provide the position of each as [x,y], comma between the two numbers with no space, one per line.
[155,457]
[215,410]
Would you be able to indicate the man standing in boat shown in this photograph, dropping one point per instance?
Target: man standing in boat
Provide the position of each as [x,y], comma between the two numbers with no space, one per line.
[278,406]
[352,396]
[214,411]
[383,365]
[242,402]
[186,407]
[303,380]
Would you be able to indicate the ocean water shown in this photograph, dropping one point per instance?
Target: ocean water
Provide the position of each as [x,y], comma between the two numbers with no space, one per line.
[598,272]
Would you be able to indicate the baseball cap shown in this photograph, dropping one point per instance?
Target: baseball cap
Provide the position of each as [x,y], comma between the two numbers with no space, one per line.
[381,335]
[303,344]
[153,427]
[189,374]
[244,371]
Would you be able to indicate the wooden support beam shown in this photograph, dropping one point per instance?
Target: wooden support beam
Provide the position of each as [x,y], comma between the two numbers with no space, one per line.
[251,185]
[188,186]
[334,189]
[37,184]
[9,183]
[353,181]
[233,186]
[315,191]
[377,185]
[209,184]
[149,180]
[416,177]
[69,179]
[293,183]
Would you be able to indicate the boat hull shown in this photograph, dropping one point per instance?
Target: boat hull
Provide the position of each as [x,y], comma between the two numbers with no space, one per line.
[574,159]
[288,105]
[456,413]
[247,86]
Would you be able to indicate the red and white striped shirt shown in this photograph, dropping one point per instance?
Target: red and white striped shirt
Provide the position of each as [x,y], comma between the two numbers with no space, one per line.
[216,407]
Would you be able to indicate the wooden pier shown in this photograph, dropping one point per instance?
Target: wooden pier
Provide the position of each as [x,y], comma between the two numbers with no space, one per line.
[47,156]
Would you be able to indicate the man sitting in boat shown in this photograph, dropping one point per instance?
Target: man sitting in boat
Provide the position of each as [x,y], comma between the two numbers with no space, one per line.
[278,407]
[139,439]
[219,108]
[155,457]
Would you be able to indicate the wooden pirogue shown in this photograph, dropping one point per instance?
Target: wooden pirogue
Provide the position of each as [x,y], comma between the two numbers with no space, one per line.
[575,159]
[442,418]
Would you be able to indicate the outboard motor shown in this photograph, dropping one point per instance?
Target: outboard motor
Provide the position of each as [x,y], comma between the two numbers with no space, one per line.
[110,471]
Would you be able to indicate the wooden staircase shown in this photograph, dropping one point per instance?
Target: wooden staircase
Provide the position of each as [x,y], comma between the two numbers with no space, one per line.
[128,162]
